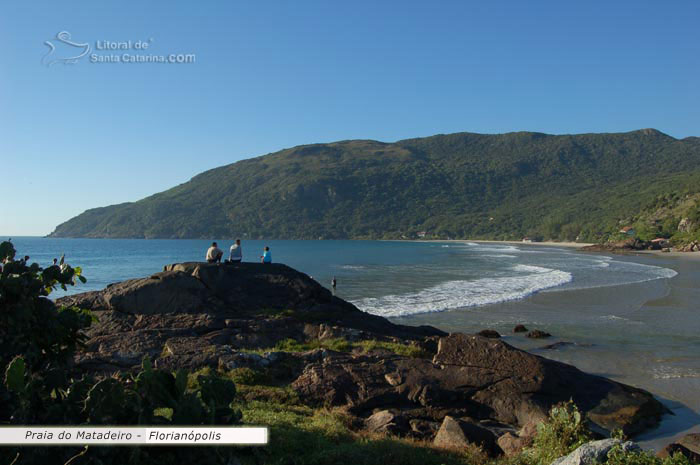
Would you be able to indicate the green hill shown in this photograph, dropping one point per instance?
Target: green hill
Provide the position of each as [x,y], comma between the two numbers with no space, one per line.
[458,186]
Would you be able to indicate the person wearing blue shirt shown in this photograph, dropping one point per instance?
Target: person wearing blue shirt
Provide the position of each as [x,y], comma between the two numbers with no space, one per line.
[266,257]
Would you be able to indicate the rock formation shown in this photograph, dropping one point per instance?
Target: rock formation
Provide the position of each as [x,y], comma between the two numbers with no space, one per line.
[193,315]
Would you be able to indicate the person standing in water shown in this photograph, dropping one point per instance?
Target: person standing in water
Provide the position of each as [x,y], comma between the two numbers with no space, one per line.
[333,283]
[266,257]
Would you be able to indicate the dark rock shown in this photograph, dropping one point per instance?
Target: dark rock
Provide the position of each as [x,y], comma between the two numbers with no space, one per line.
[512,444]
[387,421]
[538,334]
[688,446]
[423,429]
[240,307]
[485,379]
[168,292]
[520,329]
[489,333]
[458,434]
[558,345]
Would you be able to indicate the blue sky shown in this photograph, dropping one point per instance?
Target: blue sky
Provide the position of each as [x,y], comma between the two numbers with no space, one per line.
[274,74]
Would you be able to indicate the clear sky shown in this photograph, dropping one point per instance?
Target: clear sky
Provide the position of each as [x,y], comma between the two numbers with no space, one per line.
[274,74]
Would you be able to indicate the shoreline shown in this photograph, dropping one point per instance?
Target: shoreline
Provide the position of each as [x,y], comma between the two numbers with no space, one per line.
[574,245]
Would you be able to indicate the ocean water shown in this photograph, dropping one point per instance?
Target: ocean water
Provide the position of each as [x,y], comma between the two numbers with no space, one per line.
[381,277]
[632,318]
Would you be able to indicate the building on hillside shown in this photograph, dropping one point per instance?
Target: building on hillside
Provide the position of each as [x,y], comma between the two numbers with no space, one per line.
[421,234]
[661,242]
[628,230]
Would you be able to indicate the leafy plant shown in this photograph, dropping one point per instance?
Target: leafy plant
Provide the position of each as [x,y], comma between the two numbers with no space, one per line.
[38,340]
[562,432]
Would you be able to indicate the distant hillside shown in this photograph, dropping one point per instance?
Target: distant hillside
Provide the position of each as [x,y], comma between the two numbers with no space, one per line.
[458,186]
[674,215]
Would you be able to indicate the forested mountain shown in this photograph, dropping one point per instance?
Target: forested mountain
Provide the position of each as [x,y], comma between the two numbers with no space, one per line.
[459,186]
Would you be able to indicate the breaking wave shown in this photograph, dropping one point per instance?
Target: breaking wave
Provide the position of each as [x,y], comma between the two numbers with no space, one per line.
[459,294]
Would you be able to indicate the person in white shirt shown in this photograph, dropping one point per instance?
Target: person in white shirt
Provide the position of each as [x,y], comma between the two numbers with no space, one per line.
[214,253]
[236,255]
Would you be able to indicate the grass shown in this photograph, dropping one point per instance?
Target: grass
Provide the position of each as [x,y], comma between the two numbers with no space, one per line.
[303,435]
[342,345]
[300,434]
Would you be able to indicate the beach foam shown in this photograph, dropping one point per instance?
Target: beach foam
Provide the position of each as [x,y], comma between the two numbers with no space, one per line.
[459,294]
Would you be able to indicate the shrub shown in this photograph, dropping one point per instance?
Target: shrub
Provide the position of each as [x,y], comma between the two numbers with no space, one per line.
[560,434]
[37,341]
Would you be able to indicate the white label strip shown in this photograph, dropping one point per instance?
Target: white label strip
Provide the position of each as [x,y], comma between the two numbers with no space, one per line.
[135,436]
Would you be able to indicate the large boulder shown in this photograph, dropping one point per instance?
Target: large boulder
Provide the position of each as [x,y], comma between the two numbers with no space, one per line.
[192,315]
[688,446]
[166,292]
[455,433]
[479,378]
[387,421]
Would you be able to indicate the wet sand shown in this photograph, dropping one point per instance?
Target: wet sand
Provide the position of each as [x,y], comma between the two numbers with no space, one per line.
[644,334]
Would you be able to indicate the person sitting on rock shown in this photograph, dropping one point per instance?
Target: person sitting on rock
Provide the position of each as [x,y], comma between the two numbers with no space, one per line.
[236,255]
[266,257]
[214,253]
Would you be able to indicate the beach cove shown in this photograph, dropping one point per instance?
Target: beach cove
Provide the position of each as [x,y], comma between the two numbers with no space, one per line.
[628,317]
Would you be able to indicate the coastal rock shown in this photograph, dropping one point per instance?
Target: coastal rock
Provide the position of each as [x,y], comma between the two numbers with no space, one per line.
[520,329]
[423,429]
[458,434]
[512,444]
[594,452]
[224,311]
[387,421]
[476,377]
[489,333]
[167,292]
[538,334]
[221,309]
[558,345]
[688,446]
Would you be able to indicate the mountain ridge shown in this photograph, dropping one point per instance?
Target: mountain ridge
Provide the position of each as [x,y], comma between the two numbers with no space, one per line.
[461,185]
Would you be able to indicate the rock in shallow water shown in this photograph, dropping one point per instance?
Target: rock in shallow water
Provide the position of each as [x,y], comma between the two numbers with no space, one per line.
[491,333]
[688,446]
[538,334]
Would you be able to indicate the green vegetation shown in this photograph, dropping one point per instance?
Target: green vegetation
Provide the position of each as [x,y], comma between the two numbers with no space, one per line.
[450,186]
[38,340]
[342,345]
[674,216]
[562,433]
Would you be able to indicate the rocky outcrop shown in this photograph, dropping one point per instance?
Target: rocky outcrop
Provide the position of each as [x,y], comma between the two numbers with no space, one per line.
[490,333]
[460,434]
[693,246]
[196,314]
[627,245]
[688,446]
[538,334]
[594,452]
[471,377]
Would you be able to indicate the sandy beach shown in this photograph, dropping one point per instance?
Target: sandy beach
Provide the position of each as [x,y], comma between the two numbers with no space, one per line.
[577,245]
